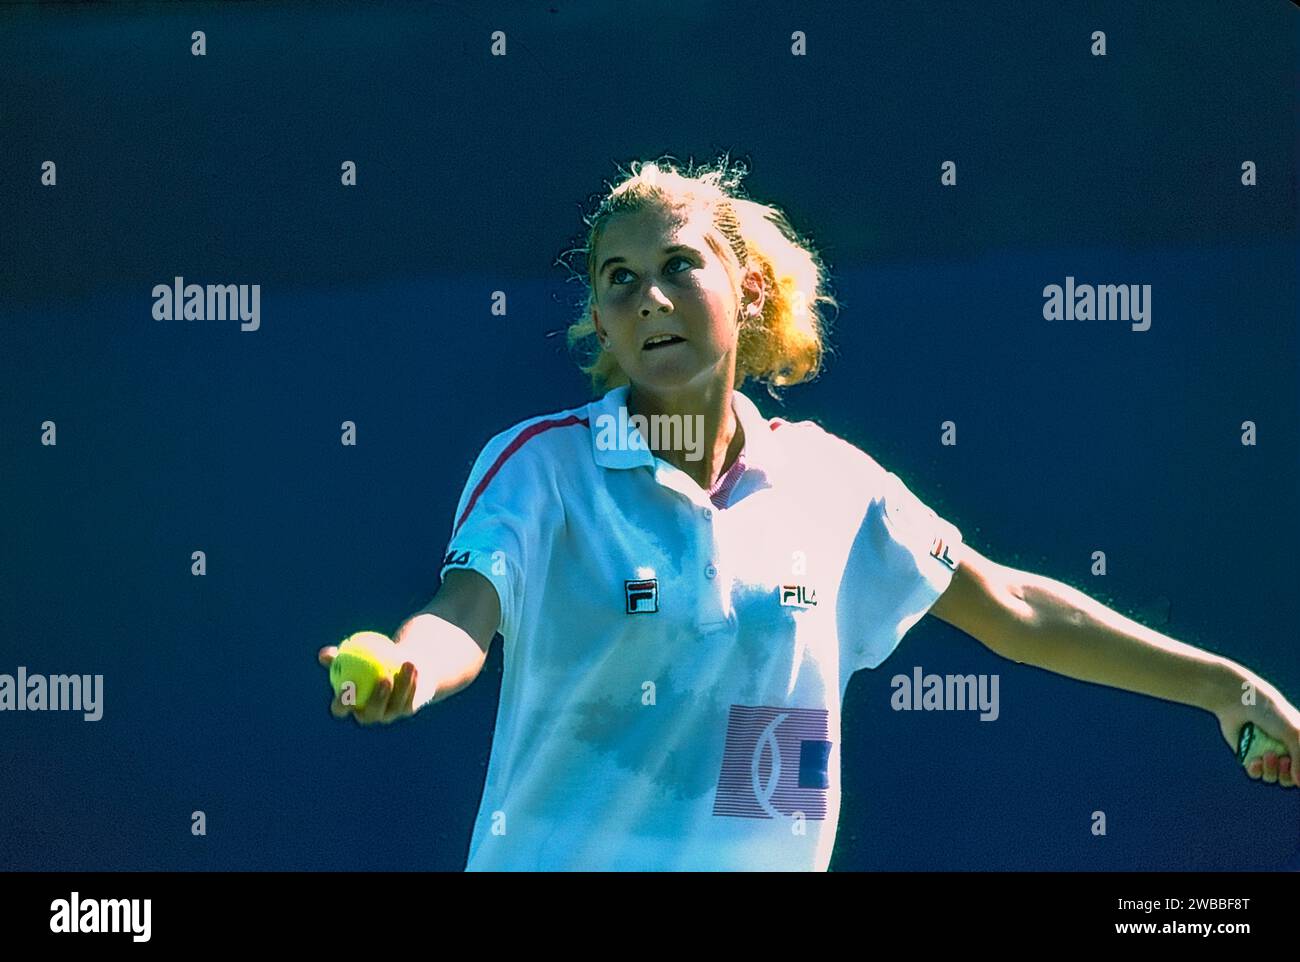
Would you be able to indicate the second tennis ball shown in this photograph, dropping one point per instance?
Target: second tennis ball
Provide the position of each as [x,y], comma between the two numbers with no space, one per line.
[1254,742]
[363,659]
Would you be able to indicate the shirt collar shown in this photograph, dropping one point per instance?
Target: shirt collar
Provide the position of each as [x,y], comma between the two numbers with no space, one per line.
[616,443]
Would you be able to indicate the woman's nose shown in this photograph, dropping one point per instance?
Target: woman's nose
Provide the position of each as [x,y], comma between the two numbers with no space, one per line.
[657,300]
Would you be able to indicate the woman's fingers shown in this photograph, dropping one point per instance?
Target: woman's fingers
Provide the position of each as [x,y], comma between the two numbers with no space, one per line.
[1270,767]
[326,657]
[377,703]
[399,706]
[408,706]
[398,696]
[390,699]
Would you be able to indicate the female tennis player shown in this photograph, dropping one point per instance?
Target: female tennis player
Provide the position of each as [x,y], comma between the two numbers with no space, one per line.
[685,586]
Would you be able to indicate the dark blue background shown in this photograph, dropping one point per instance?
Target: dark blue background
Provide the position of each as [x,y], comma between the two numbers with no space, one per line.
[473,175]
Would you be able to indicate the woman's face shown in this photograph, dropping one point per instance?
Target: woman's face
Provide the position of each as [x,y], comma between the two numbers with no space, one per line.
[659,274]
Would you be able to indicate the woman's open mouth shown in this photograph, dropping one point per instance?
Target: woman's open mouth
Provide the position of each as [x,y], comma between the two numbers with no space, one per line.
[661,341]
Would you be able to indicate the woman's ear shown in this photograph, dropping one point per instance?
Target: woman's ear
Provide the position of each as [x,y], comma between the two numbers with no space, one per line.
[753,282]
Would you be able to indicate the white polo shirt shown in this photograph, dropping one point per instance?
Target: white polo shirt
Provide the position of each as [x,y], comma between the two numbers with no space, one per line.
[673,671]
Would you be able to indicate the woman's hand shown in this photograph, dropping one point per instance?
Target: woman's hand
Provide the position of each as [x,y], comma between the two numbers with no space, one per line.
[1276,716]
[388,702]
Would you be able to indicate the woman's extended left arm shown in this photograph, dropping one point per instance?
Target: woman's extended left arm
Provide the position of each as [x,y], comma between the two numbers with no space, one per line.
[1038,621]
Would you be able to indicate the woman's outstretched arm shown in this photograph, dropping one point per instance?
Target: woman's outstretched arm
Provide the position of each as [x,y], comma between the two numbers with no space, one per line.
[442,648]
[1042,622]
[448,639]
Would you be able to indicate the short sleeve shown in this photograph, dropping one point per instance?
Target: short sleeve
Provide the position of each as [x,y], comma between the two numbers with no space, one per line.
[901,561]
[496,530]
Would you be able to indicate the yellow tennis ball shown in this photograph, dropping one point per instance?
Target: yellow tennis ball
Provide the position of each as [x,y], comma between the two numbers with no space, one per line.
[363,659]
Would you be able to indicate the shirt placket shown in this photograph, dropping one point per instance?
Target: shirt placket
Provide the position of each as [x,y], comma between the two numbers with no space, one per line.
[715,571]
[707,567]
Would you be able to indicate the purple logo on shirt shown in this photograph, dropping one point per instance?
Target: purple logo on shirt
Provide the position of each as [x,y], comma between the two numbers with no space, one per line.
[774,763]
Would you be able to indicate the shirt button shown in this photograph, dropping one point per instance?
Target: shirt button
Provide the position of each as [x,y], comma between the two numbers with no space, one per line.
[708,513]
[710,571]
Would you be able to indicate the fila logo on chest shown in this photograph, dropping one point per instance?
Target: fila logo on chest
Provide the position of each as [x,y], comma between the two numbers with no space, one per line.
[642,596]
[798,596]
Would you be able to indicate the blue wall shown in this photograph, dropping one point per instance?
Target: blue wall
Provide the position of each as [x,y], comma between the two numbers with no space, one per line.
[473,174]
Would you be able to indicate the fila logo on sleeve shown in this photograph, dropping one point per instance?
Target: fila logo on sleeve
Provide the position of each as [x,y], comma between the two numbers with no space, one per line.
[939,549]
[455,557]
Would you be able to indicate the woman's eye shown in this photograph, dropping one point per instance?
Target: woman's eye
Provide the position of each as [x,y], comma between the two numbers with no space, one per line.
[613,277]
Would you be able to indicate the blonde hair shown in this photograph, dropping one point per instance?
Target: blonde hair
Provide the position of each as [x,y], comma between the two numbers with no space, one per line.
[786,343]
